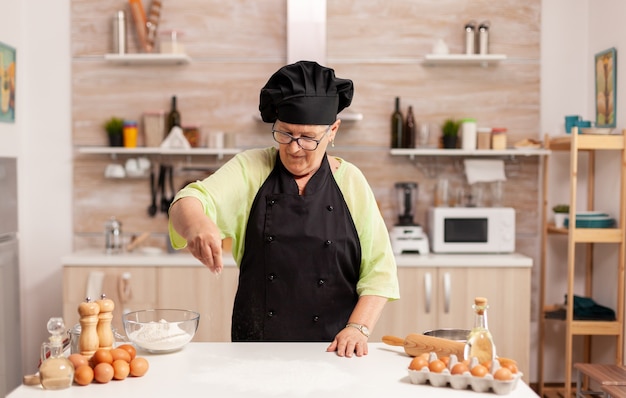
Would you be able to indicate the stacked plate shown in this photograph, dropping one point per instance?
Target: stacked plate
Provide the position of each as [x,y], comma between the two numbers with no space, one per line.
[592,219]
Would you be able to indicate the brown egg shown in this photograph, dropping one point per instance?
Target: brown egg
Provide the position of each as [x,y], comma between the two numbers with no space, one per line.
[120,353]
[459,368]
[436,366]
[130,349]
[121,369]
[508,363]
[102,356]
[83,375]
[418,363]
[103,372]
[503,374]
[445,360]
[139,366]
[78,360]
[479,371]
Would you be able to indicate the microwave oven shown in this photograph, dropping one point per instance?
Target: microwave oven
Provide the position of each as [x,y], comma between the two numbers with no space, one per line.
[471,229]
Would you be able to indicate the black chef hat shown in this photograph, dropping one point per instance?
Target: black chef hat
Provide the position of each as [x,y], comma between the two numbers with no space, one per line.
[304,93]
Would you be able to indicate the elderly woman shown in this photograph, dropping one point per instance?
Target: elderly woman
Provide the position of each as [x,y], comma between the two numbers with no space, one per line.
[315,261]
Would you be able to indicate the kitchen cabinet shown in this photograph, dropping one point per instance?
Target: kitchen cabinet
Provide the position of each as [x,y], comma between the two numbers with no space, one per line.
[188,287]
[198,289]
[584,238]
[441,297]
[80,281]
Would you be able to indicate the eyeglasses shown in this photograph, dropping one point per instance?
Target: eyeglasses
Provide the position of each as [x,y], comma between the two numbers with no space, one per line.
[306,143]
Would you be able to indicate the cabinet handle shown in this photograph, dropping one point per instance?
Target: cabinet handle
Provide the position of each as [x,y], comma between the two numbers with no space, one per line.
[428,290]
[446,292]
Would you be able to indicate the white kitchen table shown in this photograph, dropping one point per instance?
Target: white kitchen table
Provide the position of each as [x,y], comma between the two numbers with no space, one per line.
[268,370]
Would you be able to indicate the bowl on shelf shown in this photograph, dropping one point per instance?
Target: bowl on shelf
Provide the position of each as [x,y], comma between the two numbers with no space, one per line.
[596,130]
[161,330]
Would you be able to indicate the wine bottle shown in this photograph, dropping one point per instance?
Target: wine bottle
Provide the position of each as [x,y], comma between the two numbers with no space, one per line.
[397,126]
[409,130]
[173,118]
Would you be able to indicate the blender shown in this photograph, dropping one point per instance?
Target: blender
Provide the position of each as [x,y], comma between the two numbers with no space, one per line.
[407,236]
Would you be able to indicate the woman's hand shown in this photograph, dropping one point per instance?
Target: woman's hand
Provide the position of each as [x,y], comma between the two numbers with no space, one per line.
[202,235]
[349,341]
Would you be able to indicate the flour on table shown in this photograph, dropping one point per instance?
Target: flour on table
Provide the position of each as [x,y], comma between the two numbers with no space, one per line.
[160,335]
[273,378]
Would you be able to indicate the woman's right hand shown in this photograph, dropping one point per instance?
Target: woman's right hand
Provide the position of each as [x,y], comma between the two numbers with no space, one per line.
[202,235]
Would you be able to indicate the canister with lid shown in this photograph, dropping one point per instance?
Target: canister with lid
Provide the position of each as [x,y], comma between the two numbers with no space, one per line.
[483,38]
[468,133]
[470,37]
[498,138]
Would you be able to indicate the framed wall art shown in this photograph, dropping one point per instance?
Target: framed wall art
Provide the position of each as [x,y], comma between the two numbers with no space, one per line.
[7,83]
[606,80]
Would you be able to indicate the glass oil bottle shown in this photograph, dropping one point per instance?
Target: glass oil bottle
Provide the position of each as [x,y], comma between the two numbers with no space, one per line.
[480,342]
[56,371]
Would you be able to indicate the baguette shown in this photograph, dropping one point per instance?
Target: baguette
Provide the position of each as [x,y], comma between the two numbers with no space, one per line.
[139,17]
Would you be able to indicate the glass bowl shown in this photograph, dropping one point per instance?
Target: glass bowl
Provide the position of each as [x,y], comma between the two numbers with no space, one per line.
[161,330]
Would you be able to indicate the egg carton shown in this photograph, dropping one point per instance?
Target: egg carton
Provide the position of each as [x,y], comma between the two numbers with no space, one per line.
[463,381]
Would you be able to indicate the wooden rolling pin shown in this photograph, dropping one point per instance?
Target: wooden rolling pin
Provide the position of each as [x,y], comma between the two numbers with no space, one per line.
[416,344]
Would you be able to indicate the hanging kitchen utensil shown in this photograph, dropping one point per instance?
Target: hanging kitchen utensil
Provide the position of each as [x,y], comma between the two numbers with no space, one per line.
[152,209]
[165,205]
[416,344]
[171,186]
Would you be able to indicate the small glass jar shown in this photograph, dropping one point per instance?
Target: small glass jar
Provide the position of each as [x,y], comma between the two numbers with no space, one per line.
[130,134]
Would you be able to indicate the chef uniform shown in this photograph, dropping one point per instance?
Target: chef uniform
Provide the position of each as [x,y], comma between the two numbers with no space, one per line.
[301,262]
[304,260]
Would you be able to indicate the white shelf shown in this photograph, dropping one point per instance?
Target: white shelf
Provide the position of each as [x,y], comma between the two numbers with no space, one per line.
[463,59]
[153,59]
[464,152]
[103,150]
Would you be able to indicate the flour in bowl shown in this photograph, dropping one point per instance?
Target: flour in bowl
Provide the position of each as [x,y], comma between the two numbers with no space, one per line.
[160,336]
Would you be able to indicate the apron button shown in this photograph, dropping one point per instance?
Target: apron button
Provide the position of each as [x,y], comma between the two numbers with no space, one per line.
[330,208]
[316,318]
[270,314]
[271,277]
[269,239]
[328,243]
[321,282]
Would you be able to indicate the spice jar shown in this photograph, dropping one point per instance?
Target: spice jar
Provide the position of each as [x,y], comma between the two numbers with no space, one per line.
[130,133]
[498,138]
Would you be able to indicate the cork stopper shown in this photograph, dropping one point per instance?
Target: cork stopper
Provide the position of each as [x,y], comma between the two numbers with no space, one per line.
[480,305]
[481,301]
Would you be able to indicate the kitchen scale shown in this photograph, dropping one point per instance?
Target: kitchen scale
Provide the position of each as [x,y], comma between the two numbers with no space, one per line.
[407,237]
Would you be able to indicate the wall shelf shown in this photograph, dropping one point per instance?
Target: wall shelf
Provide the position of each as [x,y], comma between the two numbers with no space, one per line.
[148,59]
[412,153]
[463,59]
[114,151]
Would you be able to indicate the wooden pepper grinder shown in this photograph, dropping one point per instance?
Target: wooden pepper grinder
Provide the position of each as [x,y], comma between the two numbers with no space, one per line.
[88,340]
[105,333]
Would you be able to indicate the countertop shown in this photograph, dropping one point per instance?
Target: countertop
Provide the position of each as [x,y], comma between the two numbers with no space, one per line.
[269,370]
[139,258]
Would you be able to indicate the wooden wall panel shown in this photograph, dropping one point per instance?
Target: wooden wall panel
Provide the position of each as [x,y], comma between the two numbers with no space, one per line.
[236,45]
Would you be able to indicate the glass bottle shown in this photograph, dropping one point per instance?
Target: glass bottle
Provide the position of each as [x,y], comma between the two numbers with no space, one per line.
[173,117]
[480,342]
[409,130]
[397,126]
[56,371]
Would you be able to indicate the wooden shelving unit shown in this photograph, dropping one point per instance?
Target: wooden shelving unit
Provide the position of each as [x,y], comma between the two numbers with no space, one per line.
[587,237]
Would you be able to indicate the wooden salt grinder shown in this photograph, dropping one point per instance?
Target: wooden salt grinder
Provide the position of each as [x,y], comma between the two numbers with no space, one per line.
[105,333]
[88,340]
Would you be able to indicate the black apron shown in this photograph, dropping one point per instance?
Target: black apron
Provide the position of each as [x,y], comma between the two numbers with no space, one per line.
[300,267]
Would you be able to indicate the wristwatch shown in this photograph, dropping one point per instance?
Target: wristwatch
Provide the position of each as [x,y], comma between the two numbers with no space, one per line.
[361,328]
